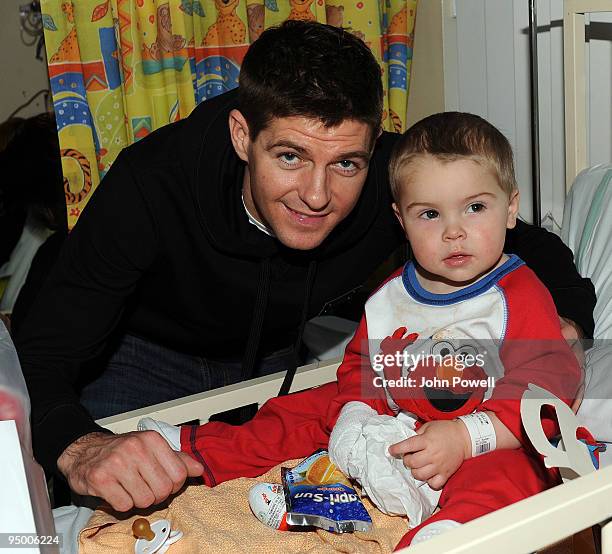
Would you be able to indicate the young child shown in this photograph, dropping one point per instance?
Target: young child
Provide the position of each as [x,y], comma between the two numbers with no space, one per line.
[461,298]
[461,323]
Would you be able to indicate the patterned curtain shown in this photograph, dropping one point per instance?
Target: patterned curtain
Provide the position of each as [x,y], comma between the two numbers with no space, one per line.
[121,68]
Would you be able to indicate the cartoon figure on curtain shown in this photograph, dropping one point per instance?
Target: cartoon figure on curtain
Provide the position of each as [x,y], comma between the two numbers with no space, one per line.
[334,15]
[397,52]
[69,48]
[221,52]
[168,50]
[70,80]
[73,192]
[256,18]
[300,10]
[228,27]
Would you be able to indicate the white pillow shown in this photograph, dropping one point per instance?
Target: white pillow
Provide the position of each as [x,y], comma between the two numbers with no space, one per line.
[587,230]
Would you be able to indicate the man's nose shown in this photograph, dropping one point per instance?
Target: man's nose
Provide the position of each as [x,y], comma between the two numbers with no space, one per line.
[315,191]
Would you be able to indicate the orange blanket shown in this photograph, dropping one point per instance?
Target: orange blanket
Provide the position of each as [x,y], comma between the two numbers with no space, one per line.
[220,520]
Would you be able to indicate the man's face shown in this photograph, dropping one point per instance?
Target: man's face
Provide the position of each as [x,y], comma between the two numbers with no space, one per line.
[455,216]
[302,178]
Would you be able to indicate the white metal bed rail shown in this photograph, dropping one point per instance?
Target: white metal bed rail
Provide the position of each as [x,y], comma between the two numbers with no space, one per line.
[535,522]
[205,404]
[523,527]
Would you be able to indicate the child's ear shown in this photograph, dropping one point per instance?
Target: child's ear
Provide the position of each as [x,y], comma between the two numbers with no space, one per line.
[398,215]
[513,208]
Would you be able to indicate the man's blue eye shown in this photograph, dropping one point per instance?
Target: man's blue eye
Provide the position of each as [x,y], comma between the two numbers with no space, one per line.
[347,164]
[289,158]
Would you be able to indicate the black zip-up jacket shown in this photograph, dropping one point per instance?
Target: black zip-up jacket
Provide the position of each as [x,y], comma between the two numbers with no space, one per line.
[164,251]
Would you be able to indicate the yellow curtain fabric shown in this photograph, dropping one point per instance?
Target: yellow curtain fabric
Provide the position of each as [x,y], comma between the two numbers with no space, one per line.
[120,69]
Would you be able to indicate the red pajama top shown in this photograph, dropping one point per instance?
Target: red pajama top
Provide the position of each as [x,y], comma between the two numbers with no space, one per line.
[507,318]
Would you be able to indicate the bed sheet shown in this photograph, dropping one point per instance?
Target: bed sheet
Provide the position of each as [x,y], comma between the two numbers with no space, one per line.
[203,514]
[587,230]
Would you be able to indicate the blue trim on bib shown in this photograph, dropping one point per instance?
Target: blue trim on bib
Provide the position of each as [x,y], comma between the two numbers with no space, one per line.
[414,288]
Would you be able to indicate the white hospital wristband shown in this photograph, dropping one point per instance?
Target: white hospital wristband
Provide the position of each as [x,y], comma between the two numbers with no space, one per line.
[482,433]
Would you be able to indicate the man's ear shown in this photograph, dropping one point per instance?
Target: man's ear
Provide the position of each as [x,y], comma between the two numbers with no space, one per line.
[513,208]
[398,215]
[239,134]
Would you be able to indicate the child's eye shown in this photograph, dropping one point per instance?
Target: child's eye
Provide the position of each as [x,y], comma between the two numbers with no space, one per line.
[476,207]
[429,214]
[289,158]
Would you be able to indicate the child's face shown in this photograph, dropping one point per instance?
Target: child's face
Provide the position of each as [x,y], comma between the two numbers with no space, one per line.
[455,216]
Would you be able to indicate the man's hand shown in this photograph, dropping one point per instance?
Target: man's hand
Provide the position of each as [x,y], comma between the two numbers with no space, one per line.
[435,452]
[137,469]
[573,334]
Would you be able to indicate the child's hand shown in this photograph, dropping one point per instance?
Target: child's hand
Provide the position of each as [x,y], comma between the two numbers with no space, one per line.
[435,452]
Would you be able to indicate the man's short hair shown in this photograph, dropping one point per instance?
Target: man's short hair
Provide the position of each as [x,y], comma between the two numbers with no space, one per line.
[451,136]
[311,70]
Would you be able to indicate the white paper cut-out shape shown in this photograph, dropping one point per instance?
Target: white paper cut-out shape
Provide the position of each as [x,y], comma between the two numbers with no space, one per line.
[570,454]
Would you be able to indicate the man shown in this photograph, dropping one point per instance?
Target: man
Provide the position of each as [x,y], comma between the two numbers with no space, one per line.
[207,247]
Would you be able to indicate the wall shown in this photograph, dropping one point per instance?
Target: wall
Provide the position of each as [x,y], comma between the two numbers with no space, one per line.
[23,75]
[486,71]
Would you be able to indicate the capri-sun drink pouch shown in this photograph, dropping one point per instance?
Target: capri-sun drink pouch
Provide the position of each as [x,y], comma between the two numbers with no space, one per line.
[317,493]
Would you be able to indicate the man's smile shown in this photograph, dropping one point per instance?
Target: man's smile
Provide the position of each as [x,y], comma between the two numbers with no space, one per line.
[306,217]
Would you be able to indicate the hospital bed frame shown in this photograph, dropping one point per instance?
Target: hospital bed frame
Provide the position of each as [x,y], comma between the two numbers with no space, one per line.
[575,83]
[526,526]
[523,527]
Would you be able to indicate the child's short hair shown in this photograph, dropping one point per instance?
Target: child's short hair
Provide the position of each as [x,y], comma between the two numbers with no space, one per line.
[450,136]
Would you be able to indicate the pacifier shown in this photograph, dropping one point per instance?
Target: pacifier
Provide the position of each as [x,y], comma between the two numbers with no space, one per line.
[155,537]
